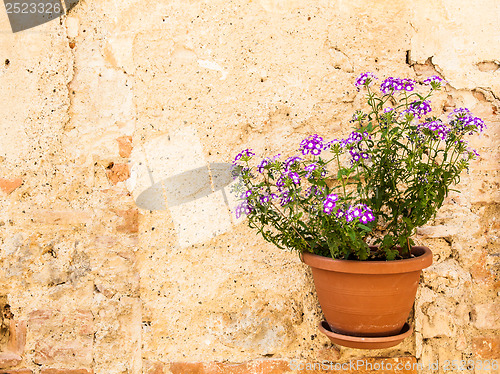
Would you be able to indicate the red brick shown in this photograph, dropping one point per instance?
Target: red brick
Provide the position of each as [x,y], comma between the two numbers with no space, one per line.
[486,347]
[284,366]
[9,359]
[252,367]
[17,337]
[484,274]
[9,185]
[67,352]
[157,368]
[124,146]
[130,220]
[61,217]
[118,173]
[66,371]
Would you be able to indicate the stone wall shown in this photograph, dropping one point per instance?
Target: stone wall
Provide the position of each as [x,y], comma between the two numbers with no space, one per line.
[119,251]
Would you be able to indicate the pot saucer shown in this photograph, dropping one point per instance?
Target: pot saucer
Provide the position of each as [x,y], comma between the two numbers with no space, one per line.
[365,342]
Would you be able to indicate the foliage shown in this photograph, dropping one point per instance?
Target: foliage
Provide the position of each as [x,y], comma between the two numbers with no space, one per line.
[392,173]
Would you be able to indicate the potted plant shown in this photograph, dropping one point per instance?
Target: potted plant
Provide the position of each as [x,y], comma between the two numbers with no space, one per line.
[350,206]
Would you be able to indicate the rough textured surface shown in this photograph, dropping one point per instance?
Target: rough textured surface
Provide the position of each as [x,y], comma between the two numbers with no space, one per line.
[118,248]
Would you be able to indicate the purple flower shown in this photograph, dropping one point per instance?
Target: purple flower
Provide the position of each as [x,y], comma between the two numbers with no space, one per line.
[310,169]
[365,79]
[280,182]
[246,194]
[294,177]
[355,137]
[331,143]
[317,191]
[340,213]
[434,81]
[462,121]
[420,108]
[355,156]
[438,128]
[330,203]
[245,153]
[391,85]
[459,113]
[470,153]
[243,208]
[261,167]
[407,114]
[312,144]
[264,199]
[367,217]
[290,161]
[285,198]
[360,212]
[422,177]
[358,116]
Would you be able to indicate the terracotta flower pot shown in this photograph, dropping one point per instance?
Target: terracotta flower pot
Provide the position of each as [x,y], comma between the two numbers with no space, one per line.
[367,298]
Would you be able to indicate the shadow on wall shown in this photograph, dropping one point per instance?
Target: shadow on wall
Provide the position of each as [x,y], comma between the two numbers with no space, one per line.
[170,173]
[25,14]
[187,186]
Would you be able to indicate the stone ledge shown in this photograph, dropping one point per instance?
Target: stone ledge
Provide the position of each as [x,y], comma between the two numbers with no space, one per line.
[282,366]
[16,371]
[66,371]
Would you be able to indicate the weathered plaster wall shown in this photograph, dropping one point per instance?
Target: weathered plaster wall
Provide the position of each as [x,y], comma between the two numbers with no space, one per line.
[119,252]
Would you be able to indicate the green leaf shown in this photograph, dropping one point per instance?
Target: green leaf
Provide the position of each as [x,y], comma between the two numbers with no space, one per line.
[364,227]
[332,247]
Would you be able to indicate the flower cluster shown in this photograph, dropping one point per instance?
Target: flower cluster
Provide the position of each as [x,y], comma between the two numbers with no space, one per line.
[285,198]
[434,81]
[312,144]
[266,161]
[354,145]
[330,203]
[462,121]
[357,213]
[294,177]
[243,155]
[358,116]
[264,198]
[420,108]
[314,190]
[290,161]
[365,79]
[243,208]
[391,85]
[290,175]
[360,212]
[470,153]
[310,169]
[438,128]
[246,194]
[422,177]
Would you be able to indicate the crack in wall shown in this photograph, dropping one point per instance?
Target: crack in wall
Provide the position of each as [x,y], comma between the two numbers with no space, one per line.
[71,46]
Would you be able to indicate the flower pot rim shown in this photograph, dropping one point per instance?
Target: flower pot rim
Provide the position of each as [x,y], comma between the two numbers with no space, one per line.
[422,260]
